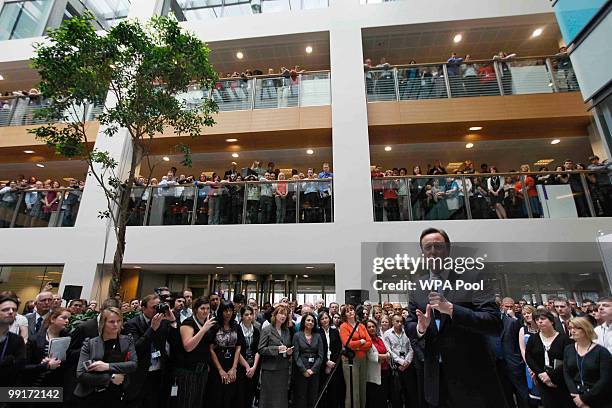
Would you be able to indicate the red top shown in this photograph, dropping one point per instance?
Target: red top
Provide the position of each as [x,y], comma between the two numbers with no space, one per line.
[529,186]
[380,347]
[486,73]
[390,190]
[355,343]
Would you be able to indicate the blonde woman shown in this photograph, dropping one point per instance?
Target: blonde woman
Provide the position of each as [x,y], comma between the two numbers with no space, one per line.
[105,363]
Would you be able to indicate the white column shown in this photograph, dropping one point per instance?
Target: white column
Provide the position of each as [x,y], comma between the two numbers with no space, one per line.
[351,153]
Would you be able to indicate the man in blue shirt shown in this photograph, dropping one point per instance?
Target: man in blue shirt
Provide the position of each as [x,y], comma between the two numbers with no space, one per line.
[325,191]
[311,198]
[453,68]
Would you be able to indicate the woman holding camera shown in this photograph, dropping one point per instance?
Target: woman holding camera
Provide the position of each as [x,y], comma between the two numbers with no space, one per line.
[192,362]
[105,363]
[226,341]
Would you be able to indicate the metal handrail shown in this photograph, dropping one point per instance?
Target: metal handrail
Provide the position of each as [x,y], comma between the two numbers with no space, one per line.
[21,209]
[504,174]
[471,61]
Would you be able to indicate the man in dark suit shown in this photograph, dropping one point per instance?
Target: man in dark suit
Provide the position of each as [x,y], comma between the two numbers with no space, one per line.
[151,330]
[452,326]
[510,364]
[43,303]
[564,315]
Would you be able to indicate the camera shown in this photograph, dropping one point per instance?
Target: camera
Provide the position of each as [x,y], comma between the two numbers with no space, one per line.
[162,308]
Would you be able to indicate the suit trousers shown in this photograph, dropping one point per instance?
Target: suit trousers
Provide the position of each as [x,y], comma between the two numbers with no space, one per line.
[305,390]
[359,382]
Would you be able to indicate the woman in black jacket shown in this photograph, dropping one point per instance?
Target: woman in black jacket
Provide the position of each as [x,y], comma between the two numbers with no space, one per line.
[43,369]
[332,345]
[544,356]
[105,364]
[248,371]
[307,358]
[586,366]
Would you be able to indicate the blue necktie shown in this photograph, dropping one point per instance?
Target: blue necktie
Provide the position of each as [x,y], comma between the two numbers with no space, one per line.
[38,323]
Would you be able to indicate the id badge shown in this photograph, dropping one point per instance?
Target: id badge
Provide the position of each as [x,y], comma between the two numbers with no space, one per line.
[311,360]
[174,391]
[155,355]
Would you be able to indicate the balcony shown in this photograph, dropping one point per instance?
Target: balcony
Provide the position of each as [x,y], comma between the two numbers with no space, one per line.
[265,92]
[550,194]
[39,207]
[517,76]
[242,202]
[22,110]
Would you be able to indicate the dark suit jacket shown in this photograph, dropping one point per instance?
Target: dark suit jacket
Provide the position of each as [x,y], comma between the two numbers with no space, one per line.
[32,324]
[13,361]
[144,338]
[268,349]
[87,329]
[559,326]
[93,349]
[37,374]
[470,377]
[335,345]
[510,344]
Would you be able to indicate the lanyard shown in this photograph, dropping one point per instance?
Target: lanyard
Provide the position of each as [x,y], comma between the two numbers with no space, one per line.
[580,361]
[6,340]
[400,339]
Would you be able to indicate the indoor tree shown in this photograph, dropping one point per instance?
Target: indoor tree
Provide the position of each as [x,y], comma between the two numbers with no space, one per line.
[135,71]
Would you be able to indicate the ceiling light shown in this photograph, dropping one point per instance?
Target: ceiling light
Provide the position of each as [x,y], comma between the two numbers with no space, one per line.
[165,158]
[219,267]
[388,148]
[537,32]
[555,141]
[305,276]
[309,151]
[310,267]
[231,140]
[28,151]
[40,165]
[458,38]
[239,55]
[235,155]
[584,274]
[308,49]
[474,128]
[469,145]
[543,162]
[1,78]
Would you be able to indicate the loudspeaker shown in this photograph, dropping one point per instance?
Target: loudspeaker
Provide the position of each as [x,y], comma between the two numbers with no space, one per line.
[72,292]
[355,296]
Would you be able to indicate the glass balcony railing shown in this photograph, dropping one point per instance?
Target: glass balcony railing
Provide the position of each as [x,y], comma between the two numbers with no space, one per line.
[544,194]
[193,10]
[265,92]
[495,77]
[21,111]
[245,202]
[39,208]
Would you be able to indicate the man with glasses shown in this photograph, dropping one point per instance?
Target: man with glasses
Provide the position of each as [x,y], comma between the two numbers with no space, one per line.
[43,303]
[451,327]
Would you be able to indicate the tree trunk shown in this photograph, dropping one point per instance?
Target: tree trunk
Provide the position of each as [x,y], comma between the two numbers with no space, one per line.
[122,218]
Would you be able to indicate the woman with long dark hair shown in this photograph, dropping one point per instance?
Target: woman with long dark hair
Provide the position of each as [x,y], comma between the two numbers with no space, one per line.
[43,369]
[276,351]
[105,363]
[332,346]
[249,362]
[308,358]
[226,341]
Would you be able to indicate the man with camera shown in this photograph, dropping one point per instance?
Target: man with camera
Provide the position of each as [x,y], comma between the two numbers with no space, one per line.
[151,330]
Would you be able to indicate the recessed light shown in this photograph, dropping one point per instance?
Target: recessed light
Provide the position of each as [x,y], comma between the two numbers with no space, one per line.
[28,151]
[308,49]
[1,78]
[165,158]
[239,55]
[40,165]
[474,128]
[137,267]
[469,145]
[458,38]
[309,151]
[219,267]
[555,141]
[305,276]
[235,155]
[388,148]
[584,274]
[231,140]
[310,267]
[537,32]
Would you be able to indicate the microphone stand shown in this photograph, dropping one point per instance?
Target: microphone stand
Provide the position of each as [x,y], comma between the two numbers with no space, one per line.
[350,354]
